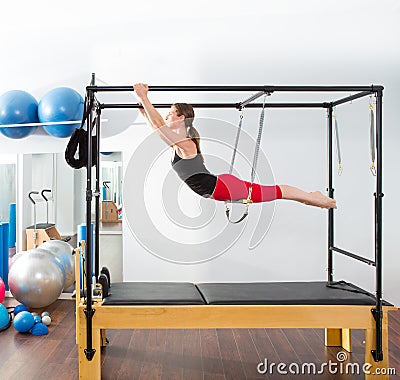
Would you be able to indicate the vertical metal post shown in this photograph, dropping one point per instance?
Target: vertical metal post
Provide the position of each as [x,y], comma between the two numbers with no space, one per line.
[377,312]
[97,196]
[89,311]
[330,194]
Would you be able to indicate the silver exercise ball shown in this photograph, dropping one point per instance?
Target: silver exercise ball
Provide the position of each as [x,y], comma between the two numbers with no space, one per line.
[36,278]
[64,252]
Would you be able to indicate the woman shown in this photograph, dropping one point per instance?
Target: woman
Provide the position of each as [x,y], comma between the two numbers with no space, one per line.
[177,131]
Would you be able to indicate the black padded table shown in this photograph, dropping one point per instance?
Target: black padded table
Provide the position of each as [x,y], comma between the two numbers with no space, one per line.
[177,305]
[253,293]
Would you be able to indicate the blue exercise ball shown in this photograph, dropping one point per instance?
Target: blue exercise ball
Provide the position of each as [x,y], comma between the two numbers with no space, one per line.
[4,317]
[19,308]
[18,107]
[37,319]
[61,104]
[23,321]
[40,329]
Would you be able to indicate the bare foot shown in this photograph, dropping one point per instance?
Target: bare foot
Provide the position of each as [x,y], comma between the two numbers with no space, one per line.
[315,198]
[320,200]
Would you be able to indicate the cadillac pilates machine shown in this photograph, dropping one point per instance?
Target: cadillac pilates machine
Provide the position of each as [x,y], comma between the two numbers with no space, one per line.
[336,306]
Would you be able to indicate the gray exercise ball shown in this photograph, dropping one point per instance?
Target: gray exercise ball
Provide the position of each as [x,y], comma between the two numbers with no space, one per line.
[64,252]
[36,278]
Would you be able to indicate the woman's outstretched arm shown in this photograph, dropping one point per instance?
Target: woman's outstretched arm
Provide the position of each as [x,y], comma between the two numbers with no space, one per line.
[157,122]
[152,115]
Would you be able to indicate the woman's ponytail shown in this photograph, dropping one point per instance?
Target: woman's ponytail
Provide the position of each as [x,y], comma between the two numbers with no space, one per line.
[191,132]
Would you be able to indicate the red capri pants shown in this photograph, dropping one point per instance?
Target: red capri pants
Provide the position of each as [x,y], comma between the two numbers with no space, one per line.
[231,188]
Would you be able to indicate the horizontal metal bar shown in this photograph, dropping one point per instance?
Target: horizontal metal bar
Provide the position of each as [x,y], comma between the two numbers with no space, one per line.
[327,88]
[353,255]
[222,105]
[351,97]
[184,88]
[265,88]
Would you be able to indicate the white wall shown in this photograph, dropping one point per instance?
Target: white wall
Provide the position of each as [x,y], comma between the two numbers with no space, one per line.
[232,42]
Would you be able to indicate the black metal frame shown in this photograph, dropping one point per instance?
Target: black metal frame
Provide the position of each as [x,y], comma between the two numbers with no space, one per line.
[93,119]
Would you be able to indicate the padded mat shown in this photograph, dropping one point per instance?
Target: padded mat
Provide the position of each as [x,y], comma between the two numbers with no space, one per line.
[284,293]
[253,293]
[153,293]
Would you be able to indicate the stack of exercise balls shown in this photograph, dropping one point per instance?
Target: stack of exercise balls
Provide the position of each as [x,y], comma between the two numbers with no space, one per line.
[62,104]
[25,322]
[37,277]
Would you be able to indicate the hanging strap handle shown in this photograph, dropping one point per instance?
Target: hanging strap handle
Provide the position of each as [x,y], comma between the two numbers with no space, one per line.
[227,209]
[248,201]
[243,217]
[372,137]
[338,152]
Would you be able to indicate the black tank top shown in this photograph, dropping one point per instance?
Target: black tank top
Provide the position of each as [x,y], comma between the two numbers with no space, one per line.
[194,173]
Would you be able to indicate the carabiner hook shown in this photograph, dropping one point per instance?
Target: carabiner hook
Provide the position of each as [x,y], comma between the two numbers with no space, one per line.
[340,169]
[373,169]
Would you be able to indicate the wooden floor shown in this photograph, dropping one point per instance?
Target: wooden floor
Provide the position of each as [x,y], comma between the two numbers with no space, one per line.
[175,354]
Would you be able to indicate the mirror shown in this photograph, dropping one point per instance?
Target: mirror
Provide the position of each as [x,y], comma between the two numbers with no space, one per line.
[111,190]
[60,199]
[111,213]
[65,206]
